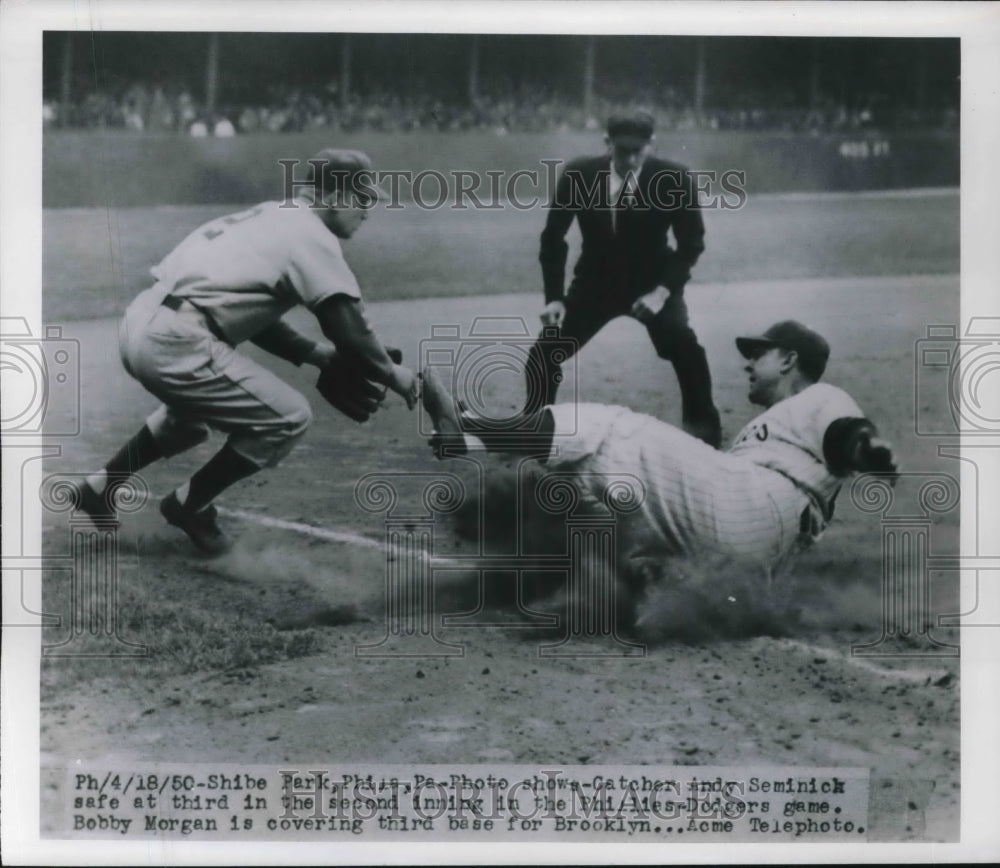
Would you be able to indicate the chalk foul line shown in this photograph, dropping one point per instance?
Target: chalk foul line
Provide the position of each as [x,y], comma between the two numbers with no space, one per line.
[916,676]
[340,536]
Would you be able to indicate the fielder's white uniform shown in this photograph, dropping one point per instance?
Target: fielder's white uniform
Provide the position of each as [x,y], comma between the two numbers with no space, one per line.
[228,280]
[751,502]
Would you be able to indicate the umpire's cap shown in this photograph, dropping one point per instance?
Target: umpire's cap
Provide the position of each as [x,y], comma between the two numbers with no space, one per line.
[635,125]
[345,170]
[811,347]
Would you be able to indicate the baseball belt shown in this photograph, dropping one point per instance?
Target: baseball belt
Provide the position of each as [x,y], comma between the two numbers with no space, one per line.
[176,302]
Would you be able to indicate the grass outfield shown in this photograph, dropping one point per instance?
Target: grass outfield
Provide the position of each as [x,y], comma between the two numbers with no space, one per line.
[121,169]
[95,261]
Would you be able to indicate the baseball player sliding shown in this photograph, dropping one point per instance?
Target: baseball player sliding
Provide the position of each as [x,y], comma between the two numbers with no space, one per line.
[774,486]
[229,281]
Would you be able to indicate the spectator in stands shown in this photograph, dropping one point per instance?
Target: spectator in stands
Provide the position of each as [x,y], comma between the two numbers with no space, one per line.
[136,107]
[502,105]
[249,120]
[199,129]
[223,128]
[161,113]
[187,111]
[134,121]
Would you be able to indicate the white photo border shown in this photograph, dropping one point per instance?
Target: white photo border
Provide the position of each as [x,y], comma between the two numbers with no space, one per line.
[21,26]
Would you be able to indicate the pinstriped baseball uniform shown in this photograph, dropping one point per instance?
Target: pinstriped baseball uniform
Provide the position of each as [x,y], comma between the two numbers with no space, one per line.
[231,278]
[748,502]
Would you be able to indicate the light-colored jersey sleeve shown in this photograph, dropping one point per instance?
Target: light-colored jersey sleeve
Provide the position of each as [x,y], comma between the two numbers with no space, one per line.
[799,421]
[245,270]
[788,437]
[316,267]
[825,404]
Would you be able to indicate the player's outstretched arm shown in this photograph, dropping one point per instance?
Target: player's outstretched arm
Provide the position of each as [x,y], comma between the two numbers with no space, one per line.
[343,321]
[282,340]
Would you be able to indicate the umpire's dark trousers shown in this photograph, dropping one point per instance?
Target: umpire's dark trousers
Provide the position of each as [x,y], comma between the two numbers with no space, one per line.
[671,335]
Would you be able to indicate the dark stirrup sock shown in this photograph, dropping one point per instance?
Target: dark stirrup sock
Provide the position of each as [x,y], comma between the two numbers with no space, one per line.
[225,468]
[141,451]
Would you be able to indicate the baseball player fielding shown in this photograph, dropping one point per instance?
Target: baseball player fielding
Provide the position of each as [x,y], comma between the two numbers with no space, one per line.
[232,280]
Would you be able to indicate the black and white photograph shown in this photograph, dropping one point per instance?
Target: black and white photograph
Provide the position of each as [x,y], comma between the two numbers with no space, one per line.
[524,431]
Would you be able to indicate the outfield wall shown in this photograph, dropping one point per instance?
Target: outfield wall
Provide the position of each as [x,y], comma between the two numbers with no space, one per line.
[120,169]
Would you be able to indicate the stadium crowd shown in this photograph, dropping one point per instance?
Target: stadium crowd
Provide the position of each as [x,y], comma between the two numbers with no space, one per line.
[158,108]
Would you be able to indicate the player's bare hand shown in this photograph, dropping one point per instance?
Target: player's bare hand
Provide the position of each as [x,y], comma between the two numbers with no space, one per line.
[649,305]
[553,314]
[405,384]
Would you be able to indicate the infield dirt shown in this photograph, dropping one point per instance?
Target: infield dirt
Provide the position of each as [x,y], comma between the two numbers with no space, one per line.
[222,684]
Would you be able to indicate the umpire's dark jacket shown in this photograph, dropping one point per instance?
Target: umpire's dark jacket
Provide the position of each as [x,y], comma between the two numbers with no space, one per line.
[615,268]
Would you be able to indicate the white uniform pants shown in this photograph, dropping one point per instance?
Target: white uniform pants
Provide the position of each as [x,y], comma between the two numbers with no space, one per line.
[693,498]
[205,383]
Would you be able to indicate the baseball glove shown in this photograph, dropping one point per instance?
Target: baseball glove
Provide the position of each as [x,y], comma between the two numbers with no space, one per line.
[346,390]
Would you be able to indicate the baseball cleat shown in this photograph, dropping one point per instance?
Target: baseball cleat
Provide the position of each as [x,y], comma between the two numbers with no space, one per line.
[201,527]
[97,506]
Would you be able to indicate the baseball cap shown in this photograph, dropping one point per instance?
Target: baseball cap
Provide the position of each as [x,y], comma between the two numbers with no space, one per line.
[638,125]
[344,169]
[812,348]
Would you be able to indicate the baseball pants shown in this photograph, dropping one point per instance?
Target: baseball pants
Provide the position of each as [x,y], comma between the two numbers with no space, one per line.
[204,383]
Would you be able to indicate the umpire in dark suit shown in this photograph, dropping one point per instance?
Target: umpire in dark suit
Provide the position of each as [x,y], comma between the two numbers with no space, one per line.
[626,202]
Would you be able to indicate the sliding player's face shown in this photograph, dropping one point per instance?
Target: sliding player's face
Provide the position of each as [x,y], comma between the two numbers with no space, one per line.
[765,369]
